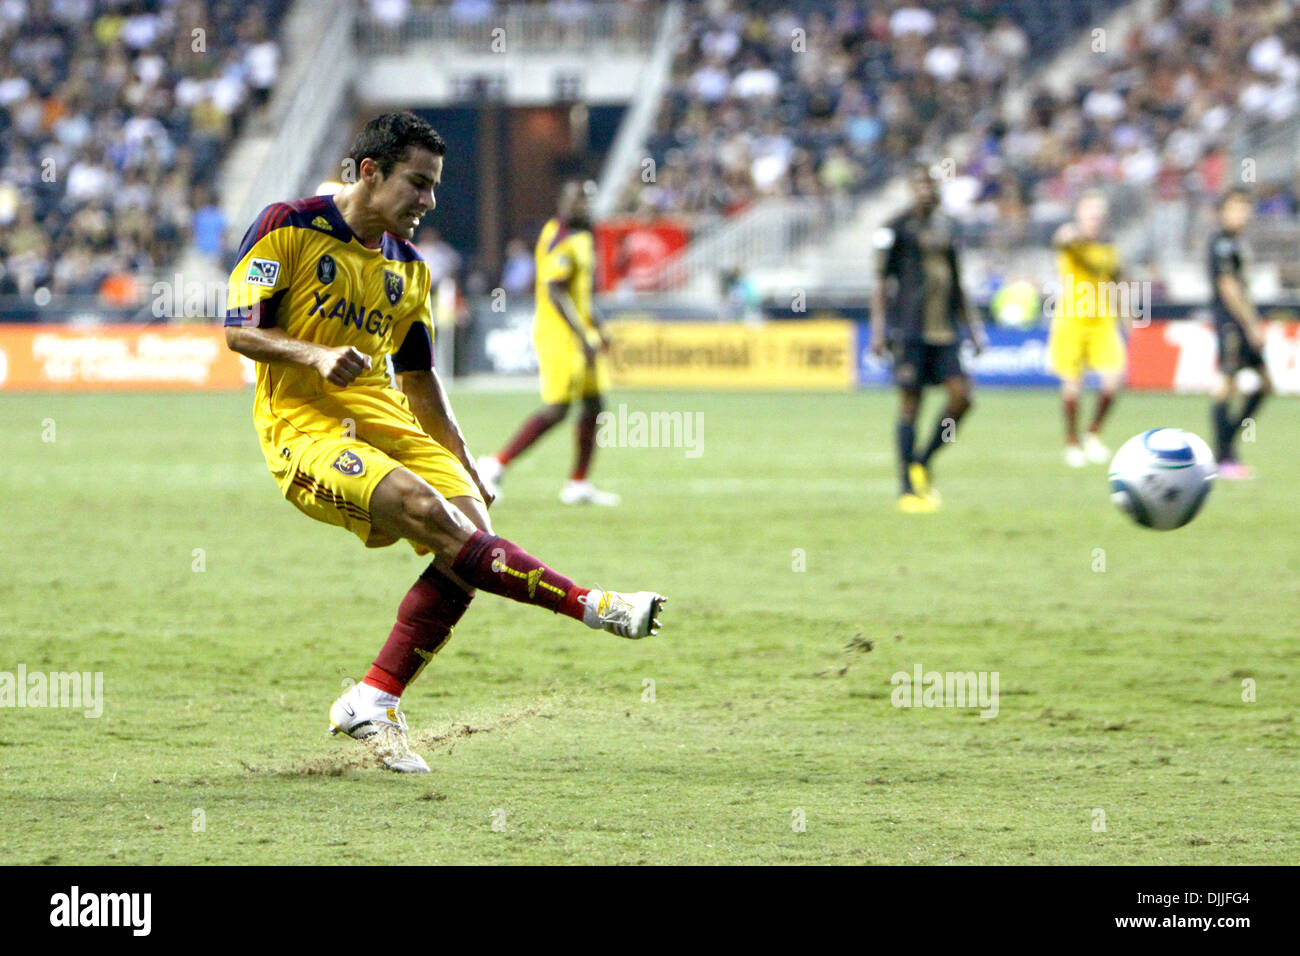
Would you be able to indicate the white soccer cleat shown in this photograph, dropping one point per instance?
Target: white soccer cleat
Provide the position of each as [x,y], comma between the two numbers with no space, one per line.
[628,615]
[1094,450]
[383,729]
[585,493]
[1074,457]
[490,471]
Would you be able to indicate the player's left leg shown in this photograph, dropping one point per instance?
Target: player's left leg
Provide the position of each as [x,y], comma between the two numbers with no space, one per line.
[1104,352]
[405,506]
[1231,468]
[579,489]
[958,388]
[910,499]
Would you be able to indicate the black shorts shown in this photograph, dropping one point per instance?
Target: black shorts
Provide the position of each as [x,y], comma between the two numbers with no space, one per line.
[917,364]
[1235,350]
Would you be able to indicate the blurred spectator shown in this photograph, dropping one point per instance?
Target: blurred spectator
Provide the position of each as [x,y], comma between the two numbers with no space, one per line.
[518,272]
[112,112]
[209,225]
[443,260]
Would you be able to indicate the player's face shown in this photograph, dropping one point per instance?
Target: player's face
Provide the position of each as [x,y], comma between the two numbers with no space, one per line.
[402,197]
[923,189]
[1091,214]
[575,207]
[1236,213]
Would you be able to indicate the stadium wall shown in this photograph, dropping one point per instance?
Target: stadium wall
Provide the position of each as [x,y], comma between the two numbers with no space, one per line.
[1176,352]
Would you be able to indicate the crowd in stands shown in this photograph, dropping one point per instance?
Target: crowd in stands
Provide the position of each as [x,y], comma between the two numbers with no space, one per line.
[114,115]
[818,98]
[1152,120]
[828,97]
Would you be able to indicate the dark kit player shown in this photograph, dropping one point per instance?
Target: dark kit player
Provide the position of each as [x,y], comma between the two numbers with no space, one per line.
[918,311]
[1240,331]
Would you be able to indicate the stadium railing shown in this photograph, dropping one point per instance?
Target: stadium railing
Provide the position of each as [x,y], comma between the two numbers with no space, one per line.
[516,28]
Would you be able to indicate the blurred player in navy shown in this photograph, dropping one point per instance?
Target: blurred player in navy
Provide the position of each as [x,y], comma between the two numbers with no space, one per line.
[1240,331]
[918,311]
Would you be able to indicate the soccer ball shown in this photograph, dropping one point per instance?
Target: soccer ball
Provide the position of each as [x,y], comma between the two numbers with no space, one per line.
[1162,477]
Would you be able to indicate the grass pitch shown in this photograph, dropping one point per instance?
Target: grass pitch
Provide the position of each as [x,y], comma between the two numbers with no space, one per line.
[146,541]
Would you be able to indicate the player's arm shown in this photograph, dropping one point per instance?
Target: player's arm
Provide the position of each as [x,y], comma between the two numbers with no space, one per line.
[422,386]
[886,244]
[557,290]
[258,285]
[1065,236]
[338,366]
[432,409]
[556,267]
[1241,308]
[967,316]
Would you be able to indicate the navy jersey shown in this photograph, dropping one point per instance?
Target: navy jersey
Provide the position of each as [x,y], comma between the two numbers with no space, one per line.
[918,261]
[1225,259]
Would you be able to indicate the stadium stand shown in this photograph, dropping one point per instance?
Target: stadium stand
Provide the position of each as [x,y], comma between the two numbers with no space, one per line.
[114,117]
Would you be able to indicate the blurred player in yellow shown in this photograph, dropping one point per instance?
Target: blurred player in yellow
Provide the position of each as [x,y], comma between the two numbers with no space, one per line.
[327,291]
[570,341]
[1085,329]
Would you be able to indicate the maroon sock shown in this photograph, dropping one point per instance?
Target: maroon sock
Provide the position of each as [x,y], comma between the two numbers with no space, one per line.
[502,567]
[586,447]
[534,428]
[424,622]
[1072,420]
[1103,406]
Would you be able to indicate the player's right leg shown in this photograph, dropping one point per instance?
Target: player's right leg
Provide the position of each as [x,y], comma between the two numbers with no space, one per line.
[406,506]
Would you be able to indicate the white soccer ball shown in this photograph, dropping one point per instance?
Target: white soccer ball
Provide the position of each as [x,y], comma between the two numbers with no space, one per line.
[1162,477]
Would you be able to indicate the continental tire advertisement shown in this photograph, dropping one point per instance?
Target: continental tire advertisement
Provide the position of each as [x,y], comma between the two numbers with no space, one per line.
[810,354]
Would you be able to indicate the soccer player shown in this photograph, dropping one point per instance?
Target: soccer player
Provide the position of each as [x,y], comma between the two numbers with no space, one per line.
[1085,334]
[326,291]
[919,310]
[570,340]
[1240,331]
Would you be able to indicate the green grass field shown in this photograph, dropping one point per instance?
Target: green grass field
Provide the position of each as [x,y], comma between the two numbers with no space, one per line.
[1121,690]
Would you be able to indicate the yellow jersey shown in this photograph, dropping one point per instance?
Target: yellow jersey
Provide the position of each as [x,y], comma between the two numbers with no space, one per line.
[568,257]
[1089,270]
[302,269]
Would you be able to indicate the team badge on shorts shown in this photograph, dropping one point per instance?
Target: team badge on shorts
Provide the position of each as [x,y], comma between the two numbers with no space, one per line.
[326,270]
[394,286]
[349,464]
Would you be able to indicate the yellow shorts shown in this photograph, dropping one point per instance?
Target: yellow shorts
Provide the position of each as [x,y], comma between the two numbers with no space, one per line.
[562,365]
[332,477]
[1074,346]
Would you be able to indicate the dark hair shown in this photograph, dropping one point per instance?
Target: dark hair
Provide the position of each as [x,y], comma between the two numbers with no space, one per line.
[386,139]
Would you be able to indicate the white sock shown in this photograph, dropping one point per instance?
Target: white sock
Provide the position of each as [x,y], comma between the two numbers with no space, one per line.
[373,695]
[591,604]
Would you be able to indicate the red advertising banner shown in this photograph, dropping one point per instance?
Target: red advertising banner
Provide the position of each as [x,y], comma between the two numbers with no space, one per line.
[1182,355]
[118,357]
[629,252]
